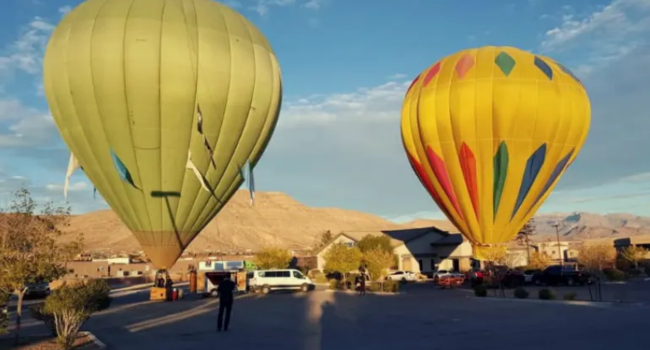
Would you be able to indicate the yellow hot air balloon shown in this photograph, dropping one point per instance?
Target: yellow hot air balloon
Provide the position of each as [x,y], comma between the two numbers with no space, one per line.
[489,132]
[163,102]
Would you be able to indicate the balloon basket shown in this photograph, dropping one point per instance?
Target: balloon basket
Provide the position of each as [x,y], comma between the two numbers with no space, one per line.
[158,294]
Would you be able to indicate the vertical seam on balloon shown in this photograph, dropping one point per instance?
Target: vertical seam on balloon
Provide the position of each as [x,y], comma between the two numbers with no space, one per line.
[101,124]
[126,99]
[195,61]
[248,116]
[468,167]
[440,171]
[76,115]
[98,111]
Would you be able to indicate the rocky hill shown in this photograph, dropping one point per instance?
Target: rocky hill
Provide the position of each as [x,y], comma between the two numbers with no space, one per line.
[277,219]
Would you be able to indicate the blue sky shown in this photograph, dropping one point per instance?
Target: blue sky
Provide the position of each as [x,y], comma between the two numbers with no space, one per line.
[345,68]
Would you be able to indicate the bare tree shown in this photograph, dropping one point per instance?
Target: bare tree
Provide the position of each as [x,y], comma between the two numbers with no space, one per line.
[634,255]
[523,237]
[30,250]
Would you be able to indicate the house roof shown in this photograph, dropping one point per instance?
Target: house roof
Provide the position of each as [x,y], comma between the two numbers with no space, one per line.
[397,237]
[450,239]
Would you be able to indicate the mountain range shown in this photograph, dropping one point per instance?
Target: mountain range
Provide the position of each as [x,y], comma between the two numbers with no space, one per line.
[276,219]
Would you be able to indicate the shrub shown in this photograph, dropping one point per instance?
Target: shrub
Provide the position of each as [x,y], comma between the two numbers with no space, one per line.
[546,294]
[71,305]
[4,314]
[374,287]
[613,274]
[570,296]
[336,285]
[320,277]
[480,291]
[521,293]
[391,286]
[38,313]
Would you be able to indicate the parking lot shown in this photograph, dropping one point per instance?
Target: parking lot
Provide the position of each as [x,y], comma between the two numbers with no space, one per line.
[423,317]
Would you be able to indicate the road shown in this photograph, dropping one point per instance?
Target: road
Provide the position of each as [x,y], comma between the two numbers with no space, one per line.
[422,318]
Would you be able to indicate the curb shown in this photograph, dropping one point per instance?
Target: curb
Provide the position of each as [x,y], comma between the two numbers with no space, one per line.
[94,339]
[556,302]
[367,292]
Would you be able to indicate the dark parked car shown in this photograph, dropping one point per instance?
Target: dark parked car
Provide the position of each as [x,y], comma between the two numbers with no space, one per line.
[513,278]
[38,290]
[562,275]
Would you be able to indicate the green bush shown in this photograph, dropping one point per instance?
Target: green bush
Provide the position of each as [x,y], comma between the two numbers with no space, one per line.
[521,293]
[336,285]
[570,296]
[71,305]
[391,286]
[320,277]
[546,294]
[38,313]
[4,314]
[613,274]
[480,291]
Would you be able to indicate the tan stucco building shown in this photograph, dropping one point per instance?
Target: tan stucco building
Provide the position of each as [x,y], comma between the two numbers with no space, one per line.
[420,250]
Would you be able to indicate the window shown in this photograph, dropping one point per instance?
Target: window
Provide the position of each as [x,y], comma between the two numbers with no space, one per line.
[420,264]
[398,273]
[284,274]
[433,264]
[298,275]
[271,274]
[350,244]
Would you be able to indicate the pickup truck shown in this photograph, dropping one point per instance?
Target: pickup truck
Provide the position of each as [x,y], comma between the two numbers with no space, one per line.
[561,275]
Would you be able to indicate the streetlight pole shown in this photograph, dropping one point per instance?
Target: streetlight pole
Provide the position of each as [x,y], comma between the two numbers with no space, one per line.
[559,251]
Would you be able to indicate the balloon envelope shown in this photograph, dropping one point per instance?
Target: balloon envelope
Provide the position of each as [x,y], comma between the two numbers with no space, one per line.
[489,132]
[163,102]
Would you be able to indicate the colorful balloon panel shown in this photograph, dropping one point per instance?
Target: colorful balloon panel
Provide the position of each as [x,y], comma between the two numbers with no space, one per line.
[162,102]
[489,132]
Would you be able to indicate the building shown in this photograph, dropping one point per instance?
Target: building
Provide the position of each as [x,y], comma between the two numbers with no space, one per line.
[420,250]
[551,250]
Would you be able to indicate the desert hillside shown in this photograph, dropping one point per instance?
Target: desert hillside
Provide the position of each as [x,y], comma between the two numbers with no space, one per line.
[277,219]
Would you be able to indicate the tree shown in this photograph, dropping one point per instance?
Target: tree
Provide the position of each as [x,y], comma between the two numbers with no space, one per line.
[4,314]
[343,259]
[497,255]
[71,305]
[523,237]
[30,251]
[273,258]
[373,242]
[539,261]
[634,255]
[596,256]
[323,239]
[377,262]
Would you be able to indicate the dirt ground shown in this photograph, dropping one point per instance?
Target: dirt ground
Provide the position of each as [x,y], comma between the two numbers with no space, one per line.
[83,342]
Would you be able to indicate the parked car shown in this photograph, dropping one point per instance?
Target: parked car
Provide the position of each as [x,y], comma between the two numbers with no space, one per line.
[530,274]
[287,279]
[562,275]
[513,278]
[38,290]
[402,276]
[445,273]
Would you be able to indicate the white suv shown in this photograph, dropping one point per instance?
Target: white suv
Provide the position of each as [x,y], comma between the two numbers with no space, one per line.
[268,280]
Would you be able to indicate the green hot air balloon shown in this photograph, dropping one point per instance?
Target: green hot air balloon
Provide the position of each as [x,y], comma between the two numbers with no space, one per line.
[163,103]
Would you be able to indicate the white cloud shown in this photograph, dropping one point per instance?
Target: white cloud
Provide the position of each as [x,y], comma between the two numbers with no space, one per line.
[65,9]
[606,35]
[313,4]
[377,104]
[74,187]
[27,127]
[26,53]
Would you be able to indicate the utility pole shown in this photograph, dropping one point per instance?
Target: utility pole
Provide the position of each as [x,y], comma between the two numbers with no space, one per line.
[559,251]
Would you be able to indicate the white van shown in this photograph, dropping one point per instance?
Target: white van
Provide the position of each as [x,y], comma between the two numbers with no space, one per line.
[268,280]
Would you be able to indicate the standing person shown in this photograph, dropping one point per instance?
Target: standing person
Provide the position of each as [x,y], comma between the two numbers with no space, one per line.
[226,289]
[362,285]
